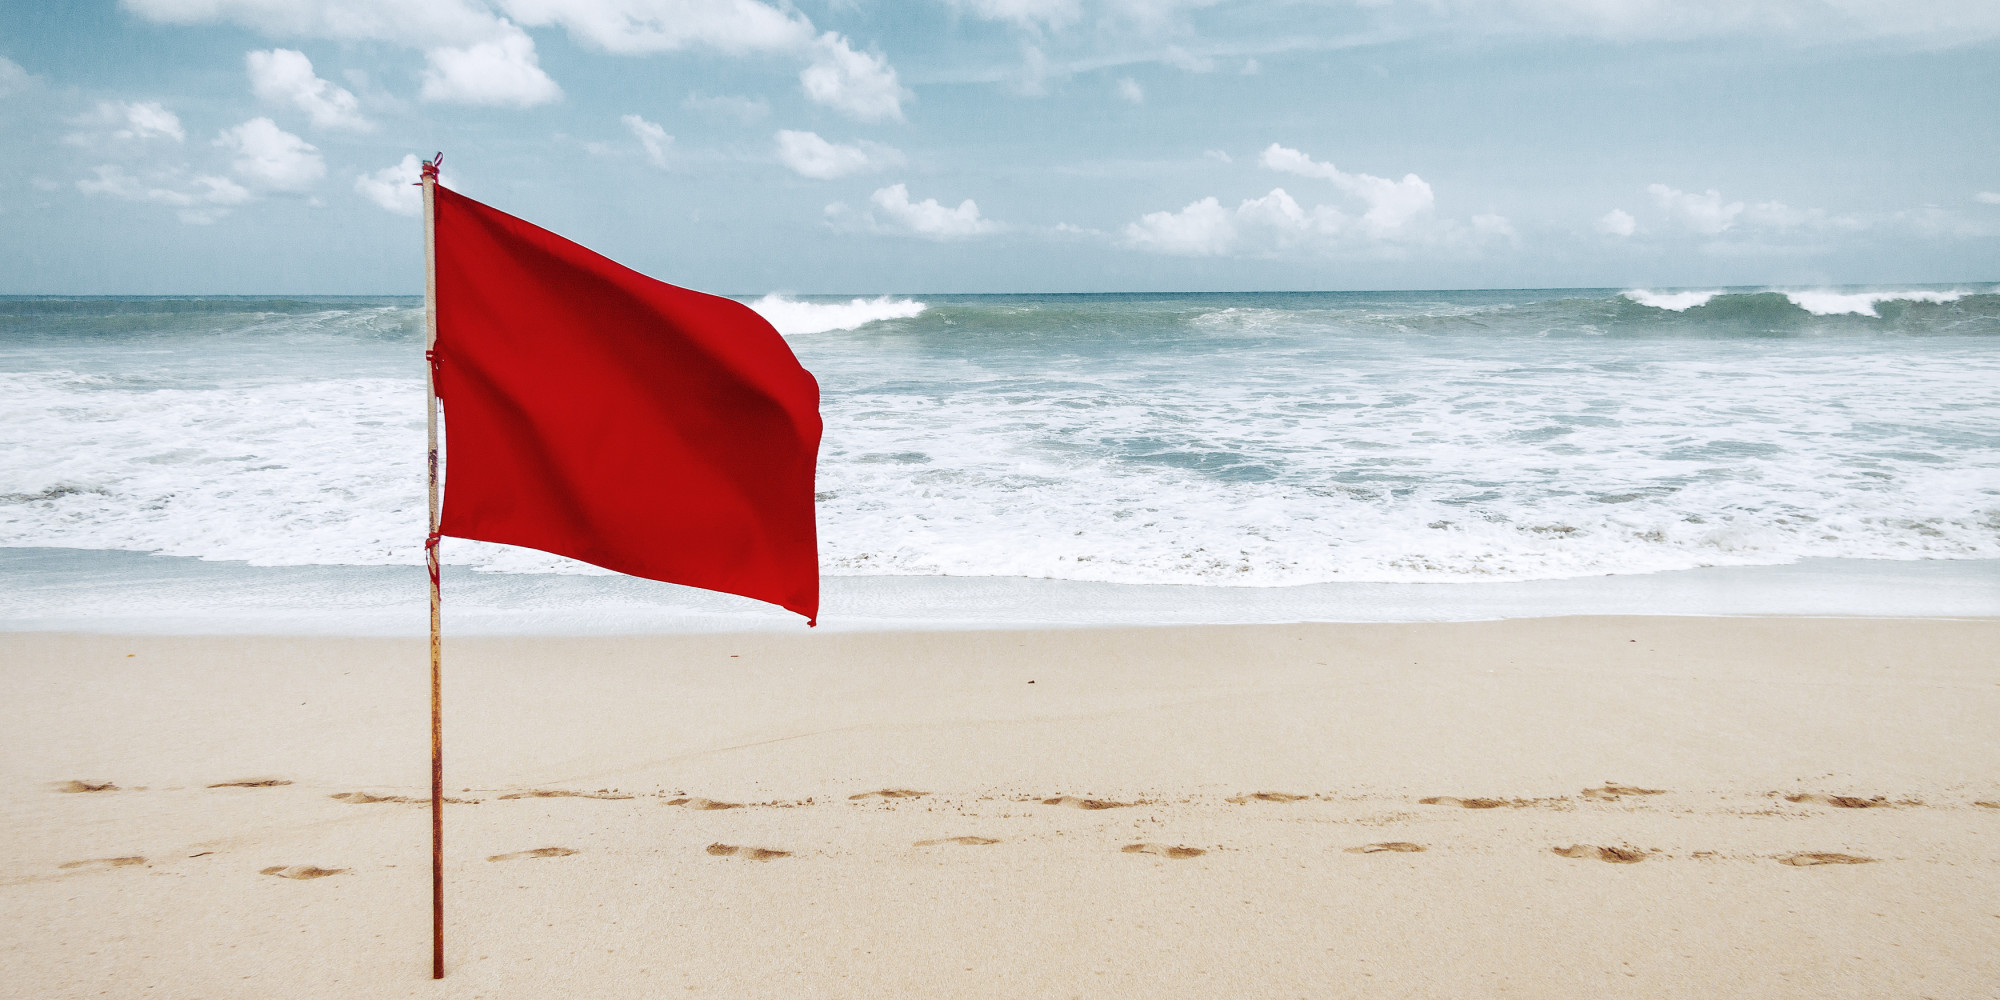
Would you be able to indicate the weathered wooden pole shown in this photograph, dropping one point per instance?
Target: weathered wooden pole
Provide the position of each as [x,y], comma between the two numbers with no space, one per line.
[429,181]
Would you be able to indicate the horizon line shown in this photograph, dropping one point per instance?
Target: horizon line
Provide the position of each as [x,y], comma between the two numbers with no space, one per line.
[1759,287]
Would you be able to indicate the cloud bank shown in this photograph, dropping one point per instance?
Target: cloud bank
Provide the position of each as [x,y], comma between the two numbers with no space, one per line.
[479,53]
[1398,216]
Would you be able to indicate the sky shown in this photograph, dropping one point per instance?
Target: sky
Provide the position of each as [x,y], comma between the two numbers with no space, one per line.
[936,146]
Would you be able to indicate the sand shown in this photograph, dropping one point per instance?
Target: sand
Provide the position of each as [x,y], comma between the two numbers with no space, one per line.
[1584,807]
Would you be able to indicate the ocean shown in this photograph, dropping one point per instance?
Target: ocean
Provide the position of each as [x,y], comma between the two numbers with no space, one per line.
[256,464]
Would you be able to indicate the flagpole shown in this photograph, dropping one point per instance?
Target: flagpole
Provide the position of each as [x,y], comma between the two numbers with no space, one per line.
[430,174]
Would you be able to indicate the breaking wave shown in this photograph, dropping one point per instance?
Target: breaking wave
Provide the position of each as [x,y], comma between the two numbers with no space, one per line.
[1862,303]
[795,316]
[1820,302]
[1670,301]
[1253,439]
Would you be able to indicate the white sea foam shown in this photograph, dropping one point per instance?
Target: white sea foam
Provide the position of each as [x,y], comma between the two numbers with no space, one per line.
[792,316]
[1670,301]
[1190,454]
[1862,303]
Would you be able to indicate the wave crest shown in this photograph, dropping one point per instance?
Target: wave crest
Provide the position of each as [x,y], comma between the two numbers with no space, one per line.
[1818,302]
[1670,301]
[792,316]
[1862,303]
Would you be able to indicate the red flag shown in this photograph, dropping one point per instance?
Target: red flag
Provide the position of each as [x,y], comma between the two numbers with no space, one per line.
[593,412]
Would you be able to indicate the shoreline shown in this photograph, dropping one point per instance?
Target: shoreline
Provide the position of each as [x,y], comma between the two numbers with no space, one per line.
[50,589]
[1605,806]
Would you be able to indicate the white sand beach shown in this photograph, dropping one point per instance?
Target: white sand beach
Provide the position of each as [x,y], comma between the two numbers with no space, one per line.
[1603,807]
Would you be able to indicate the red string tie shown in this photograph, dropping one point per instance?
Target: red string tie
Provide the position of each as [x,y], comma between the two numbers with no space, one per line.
[430,556]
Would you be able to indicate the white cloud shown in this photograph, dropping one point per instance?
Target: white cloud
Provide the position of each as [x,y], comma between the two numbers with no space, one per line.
[808,155]
[473,55]
[652,137]
[271,157]
[13,79]
[1704,213]
[397,188]
[1147,16]
[1030,14]
[476,56]
[415,23]
[1617,222]
[394,188]
[150,119]
[1391,204]
[1203,229]
[1398,219]
[747,110]
[200,200]
[285,76]
[504,71]
[1130,90]
[634,27]
[925,218]
[1709,215]
[1987,197]
[1218,156]
[127,121]
[861,85]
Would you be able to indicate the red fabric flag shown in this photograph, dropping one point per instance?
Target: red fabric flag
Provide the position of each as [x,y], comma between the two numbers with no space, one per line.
[593,412]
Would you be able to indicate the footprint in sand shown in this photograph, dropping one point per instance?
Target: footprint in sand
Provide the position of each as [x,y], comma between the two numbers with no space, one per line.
[563,793]
[360,798]
[1177,853]
[747,853]
[103,863]
[86,786]
[1265,797]
[1398,846]
[300,871]
[1071,800]
[1613,791]
[364,797]
[253,783]
[539,852]
[967,841]
[889,793]
[704,804]
[1840,801]
[1809,859]
[1615,855]
[1448,800]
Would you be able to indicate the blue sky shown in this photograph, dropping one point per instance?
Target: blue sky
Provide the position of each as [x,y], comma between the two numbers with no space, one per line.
[740,146]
